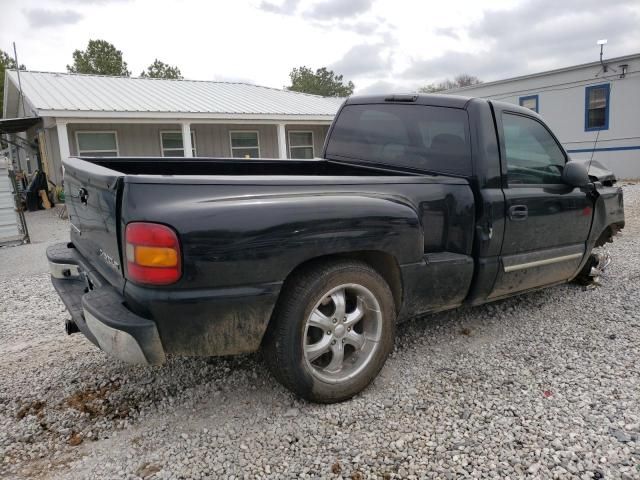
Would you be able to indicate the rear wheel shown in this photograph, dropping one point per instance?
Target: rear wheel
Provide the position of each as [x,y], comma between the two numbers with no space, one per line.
[332,331]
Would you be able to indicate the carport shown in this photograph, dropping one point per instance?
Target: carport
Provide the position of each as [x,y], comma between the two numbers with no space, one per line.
[13,228]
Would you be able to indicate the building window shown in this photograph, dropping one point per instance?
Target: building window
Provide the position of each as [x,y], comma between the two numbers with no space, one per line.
[97,144]
[596,115]
[530,102]
[172,146]
[300,144]
[245,144]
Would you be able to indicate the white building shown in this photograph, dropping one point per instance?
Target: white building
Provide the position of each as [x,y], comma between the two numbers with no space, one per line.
[51,116]
[581,104]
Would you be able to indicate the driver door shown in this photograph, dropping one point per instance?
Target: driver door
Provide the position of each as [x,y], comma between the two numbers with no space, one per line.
[546,221]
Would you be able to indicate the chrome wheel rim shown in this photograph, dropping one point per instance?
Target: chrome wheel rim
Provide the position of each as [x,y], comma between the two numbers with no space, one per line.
[342,333]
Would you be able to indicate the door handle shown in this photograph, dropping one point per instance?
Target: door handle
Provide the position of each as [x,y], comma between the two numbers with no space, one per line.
[518,212]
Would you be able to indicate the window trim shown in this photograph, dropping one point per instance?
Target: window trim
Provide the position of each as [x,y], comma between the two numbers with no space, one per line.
[529,97]
[313,150]
[194,150]
[503,154]
[587,91]
[80,152]
[231,147]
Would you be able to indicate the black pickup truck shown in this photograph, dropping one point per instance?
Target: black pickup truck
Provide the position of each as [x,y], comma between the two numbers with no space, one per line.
[420,203]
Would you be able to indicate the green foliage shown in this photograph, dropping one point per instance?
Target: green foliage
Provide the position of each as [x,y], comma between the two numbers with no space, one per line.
[100,58]
[6,63]
[462,80]
[160,69]
[323,82]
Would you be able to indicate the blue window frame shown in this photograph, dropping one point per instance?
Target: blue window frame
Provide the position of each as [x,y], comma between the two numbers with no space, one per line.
[530,102]
[596,107]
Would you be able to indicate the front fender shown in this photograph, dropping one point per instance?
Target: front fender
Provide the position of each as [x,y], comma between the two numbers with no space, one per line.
[608,212]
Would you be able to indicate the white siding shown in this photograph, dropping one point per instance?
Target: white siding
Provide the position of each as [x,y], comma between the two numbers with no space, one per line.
[143,139]
[561,102]
[214,141]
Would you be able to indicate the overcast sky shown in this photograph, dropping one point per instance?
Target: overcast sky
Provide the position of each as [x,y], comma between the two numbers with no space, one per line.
[382,45]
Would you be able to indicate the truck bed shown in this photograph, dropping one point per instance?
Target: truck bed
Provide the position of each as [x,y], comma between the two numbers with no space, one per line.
[245,225]
[238,166]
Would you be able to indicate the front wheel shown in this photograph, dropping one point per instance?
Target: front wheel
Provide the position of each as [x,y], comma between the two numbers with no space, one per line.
[332,331]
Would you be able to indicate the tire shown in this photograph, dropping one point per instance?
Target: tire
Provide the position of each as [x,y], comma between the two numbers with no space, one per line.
[584,277]
[596,264]
[321,357]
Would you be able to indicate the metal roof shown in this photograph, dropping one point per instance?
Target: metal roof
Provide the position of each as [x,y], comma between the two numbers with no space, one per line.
[54,94]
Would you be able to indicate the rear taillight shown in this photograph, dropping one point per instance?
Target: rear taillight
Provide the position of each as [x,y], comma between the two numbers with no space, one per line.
[153,254]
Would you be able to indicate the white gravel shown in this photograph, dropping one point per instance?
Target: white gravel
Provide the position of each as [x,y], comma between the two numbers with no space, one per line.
[546,385]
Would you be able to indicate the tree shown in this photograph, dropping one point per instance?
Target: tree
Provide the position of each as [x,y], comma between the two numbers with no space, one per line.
[100,58]
[462,80]
[160,69]
[6,63]
[323,82]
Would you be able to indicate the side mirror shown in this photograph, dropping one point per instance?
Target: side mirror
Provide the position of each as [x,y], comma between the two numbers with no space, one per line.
[575,174]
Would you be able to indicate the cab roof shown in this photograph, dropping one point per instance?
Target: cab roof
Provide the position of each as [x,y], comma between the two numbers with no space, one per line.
[435,100]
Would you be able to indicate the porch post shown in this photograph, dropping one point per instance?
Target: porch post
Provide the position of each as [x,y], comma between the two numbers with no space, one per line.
[282,141]
[186,139]
[63,139]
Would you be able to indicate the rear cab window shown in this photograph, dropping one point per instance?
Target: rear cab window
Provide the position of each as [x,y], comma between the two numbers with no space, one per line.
[419,137]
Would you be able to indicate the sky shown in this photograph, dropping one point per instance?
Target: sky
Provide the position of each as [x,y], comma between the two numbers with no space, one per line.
[381,45]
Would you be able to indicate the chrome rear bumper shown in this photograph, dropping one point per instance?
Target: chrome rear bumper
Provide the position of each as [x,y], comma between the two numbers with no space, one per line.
[99,311]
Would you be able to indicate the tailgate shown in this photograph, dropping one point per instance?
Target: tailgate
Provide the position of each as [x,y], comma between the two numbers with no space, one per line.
[92,195]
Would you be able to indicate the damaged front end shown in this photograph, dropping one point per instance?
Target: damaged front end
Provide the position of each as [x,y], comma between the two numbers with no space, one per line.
[608,220]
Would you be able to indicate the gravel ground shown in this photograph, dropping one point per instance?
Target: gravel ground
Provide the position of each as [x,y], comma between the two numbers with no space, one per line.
[546,385]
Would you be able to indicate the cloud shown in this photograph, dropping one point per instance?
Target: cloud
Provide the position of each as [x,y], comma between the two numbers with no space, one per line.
[94,2]
[365,28]
[451,63]
[334,9]
[364,60]
[362,28]
[447,32]
[560,30]
[42,17]
[533,37]
[287,7]
[234,79]
[382,87]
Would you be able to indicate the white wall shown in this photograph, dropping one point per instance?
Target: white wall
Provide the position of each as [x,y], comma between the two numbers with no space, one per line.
[561,102]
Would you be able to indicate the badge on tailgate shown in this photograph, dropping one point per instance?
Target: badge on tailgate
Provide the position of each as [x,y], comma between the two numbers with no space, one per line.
[108,259]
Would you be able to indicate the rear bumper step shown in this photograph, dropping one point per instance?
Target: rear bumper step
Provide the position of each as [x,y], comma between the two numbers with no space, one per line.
[99,311]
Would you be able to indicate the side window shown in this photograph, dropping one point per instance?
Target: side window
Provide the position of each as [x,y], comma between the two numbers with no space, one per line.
[533,156]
